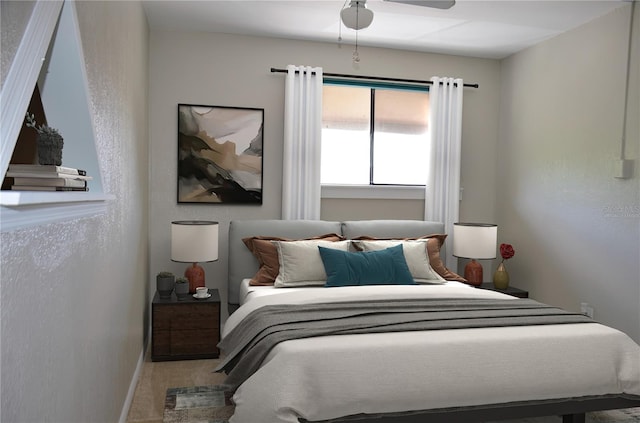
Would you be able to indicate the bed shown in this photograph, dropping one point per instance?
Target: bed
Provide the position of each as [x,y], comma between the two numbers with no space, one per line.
[287,362]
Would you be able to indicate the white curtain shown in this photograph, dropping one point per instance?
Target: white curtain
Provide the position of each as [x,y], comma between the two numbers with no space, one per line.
[443,185]
[302,135]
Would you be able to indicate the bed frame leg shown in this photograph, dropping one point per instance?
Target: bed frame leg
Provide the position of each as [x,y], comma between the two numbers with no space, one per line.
[573,418]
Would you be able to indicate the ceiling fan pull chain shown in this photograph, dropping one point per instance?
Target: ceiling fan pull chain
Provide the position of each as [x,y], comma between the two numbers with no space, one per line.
[356,56]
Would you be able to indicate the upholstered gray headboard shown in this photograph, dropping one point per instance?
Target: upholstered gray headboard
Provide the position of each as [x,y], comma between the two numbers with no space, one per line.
[243,265]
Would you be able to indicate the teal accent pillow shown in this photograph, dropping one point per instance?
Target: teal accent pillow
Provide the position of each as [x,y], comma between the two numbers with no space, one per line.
[381,267]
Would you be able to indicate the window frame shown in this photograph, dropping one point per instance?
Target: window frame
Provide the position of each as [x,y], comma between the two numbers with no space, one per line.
[373,192]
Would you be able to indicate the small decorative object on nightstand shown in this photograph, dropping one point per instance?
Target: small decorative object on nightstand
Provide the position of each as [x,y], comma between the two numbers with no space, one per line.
[164,284]
[188,329]
[501,276]
[182,288]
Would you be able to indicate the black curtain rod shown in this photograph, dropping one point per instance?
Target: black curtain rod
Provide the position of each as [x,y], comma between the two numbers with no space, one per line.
[375,78]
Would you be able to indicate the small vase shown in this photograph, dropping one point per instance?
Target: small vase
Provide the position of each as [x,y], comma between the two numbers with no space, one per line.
[501,277]
[164,285]
[182,290]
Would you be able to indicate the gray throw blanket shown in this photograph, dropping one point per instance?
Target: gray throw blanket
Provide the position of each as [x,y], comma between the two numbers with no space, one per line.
[249,343]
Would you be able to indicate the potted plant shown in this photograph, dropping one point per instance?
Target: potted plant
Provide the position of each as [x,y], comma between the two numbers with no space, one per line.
[182,288]
[49,142]
[164,284]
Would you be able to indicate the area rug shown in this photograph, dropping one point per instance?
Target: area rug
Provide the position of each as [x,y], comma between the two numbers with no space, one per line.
[211,404]
[197,404]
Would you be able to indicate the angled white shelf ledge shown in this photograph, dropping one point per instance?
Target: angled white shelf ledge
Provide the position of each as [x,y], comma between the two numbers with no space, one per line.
[20,209]
[33,198]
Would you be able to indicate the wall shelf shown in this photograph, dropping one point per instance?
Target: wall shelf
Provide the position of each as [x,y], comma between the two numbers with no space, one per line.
[21,209]
[31,198]
[50,55]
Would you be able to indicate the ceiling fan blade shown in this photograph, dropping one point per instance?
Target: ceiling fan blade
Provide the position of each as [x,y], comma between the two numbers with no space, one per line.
[438,4]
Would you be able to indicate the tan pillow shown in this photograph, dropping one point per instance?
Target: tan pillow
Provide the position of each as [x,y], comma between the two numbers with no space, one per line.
[433,250]
[301,263]
[267,254]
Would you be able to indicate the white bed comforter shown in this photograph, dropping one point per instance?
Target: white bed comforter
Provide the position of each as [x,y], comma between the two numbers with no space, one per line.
[333,376]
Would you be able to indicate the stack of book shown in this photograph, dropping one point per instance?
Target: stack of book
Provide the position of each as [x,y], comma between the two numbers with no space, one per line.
[32,177]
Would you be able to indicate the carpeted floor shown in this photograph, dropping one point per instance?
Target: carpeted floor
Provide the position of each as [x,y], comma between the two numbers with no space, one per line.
[210,404]
[156,377]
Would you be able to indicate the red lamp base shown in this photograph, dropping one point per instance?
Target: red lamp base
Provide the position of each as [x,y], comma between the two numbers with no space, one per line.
[473,273]
[195,274]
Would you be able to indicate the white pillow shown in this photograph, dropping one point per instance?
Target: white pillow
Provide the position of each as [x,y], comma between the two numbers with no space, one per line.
[415,253]
[301,264]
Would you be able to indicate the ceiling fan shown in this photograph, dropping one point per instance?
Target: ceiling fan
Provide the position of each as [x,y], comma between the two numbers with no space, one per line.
[357,16]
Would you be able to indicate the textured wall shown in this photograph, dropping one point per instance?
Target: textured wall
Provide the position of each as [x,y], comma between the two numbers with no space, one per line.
[14,17]
[231,70]
[75,294]
[575,228]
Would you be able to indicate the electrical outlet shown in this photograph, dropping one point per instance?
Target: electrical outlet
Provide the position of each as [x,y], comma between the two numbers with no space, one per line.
[586,309]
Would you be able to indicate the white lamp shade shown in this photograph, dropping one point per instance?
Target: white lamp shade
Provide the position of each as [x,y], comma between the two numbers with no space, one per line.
[194,241]
[356,16]
[475,240]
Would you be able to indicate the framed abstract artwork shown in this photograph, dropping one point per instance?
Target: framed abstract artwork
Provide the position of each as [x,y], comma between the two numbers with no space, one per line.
[219,154]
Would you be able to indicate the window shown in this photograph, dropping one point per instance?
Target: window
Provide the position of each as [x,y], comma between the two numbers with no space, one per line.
[374,135]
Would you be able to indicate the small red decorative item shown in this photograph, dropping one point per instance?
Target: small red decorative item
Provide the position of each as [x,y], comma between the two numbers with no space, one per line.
[473,273]
[195,274]
[507,251]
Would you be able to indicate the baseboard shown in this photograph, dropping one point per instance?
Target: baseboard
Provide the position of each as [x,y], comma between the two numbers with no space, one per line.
[132,388]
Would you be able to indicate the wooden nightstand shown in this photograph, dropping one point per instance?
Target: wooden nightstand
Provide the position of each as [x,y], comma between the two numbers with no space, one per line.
[510,290]
[188,329]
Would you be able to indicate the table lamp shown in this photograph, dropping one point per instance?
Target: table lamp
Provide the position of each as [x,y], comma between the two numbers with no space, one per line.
[475,241]
[194,241]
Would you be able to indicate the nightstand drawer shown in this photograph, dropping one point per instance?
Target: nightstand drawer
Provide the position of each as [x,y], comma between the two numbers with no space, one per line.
[185,342]
[196,316]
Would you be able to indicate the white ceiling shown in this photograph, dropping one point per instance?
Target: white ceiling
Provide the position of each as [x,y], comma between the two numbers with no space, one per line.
[478,28]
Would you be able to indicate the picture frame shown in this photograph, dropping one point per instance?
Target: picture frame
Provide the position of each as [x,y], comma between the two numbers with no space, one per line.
[220,154]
